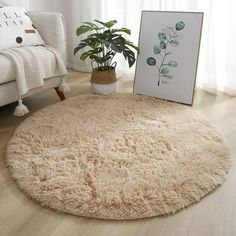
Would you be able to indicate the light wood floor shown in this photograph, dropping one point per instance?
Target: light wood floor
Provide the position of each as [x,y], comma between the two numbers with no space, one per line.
[215,215]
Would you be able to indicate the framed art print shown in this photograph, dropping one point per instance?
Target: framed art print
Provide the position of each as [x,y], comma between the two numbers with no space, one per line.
[169,45]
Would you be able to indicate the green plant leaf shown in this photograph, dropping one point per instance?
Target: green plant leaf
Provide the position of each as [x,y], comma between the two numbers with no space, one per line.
[94,26]
[108,24]
[104,43]
[83,29]
[157,50]
[174,43]
[94,37]
[105,68]
[122,30]
[85,55]
[79,47]
[93,42]
[107,32]
[132,45]
[110,55]
[100,60]
[118,44]
[89,53]
[129,54]
[164,70]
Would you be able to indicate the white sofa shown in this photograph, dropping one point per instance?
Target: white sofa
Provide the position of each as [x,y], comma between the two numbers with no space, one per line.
[52,29]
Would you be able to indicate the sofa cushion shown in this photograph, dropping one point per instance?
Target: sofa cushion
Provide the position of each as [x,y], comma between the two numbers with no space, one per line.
[17,29]
[8,70]
[50,25]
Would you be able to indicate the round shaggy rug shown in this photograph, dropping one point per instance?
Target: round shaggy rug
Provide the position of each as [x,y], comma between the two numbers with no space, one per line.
[122,156]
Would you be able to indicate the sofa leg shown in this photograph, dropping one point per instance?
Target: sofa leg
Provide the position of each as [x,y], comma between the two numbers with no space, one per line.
[60,94]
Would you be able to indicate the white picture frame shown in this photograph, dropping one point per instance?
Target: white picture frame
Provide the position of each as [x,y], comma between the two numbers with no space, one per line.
[169,44]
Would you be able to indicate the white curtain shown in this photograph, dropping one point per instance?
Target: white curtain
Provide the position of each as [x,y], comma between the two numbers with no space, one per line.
[32,5]
[20,3]
[217,68]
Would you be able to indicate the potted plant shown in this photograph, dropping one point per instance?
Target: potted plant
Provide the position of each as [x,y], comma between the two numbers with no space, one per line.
[101,45]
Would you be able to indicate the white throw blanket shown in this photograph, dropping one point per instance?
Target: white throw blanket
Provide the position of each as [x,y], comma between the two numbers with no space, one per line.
[33,65]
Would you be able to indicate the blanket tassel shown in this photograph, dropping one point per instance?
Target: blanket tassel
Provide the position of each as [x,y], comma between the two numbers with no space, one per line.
[64,87]
[21,109]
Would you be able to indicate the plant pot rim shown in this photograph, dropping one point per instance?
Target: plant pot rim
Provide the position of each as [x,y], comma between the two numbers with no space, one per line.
[103,84]
[103,77]
[96,69]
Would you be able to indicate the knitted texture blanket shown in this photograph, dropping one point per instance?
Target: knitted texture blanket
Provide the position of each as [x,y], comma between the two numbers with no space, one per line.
[33,65]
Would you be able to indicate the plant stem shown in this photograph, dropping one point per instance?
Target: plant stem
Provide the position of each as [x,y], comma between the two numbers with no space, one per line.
[162,63]
[163,59]
[103,53]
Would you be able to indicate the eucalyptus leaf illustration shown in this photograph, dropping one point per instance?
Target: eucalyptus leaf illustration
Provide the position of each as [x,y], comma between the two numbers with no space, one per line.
[164,71]
[165,82]
[162,36]
[168,76]
[174,43]
[169,36]
[172,64]
[163,45]
[177,37]
[157,50]
[179,26]
[151,61]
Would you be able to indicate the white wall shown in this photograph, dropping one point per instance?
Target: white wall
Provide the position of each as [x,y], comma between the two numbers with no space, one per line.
[21,3]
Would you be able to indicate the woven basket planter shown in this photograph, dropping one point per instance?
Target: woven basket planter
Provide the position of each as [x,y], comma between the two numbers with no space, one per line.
[103,82]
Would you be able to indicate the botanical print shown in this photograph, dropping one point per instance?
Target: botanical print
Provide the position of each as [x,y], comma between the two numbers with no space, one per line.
[168,37]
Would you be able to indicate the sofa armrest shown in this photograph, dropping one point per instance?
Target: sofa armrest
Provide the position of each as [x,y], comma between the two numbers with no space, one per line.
[51,27]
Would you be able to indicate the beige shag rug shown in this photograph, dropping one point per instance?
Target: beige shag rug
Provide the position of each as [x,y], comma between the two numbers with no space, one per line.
[122,156]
